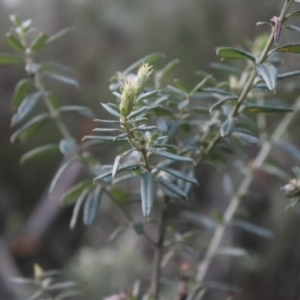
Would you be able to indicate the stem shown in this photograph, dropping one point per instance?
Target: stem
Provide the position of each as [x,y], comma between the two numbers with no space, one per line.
[242,190]
[54,114]
[158,252]
[256,164]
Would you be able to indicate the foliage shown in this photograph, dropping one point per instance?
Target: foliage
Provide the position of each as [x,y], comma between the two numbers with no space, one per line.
[48,287]
[162,133]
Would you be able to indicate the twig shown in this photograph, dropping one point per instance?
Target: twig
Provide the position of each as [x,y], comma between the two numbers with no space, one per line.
[242,190]
[159,250]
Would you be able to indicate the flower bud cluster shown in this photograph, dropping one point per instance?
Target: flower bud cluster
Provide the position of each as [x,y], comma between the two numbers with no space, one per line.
[292,189]
[132,88]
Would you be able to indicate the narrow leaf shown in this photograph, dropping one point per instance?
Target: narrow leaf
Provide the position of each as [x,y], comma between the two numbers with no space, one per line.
[9,59]
[218,104]
[147,95]
[232,251]
[81,110]
[58,35]
[39,42]
[227,127]
[116,165]
[253,228]
[269,74]
[59,173]
[62,78]
[292,48]
[77,207]
[150,59]
[173,188]
[170,155]
[111,111]
[288,75]
[72,194]
[26,107]
[180,85]
[266,109]
[21,91]
[180,175]
[91,205]
[228,52]
[39,152]
[201,84]
[147,193]
[14,42]
[30,128]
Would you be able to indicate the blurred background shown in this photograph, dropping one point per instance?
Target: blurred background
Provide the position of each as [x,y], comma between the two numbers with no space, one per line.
[109,35]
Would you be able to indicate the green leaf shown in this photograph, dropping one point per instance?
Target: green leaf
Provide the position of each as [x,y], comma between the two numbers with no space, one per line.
[144,128]
[116,165]
[288,75]
[67,146]
[39,43]
[165,70]
[253,228]
[111,110]
[200,110]
[291,48]
[179,175]
[173,188]
[62,78]
[26,107]
[39,152]
[104,138]
[21,90]
[218,92]
[274,170]
[91,206]
[266,109]
[82,195]
[15,20]
[225,68]
[269,74]
[107,130]
[9,59]
[147,193]
[180,85]
[30,128]
[201,84]
[107,121]
[52,66]
[59,173]
[218,104]
[14,42]
[150,59]
[81,110]
[138,111]
[170,155]
[232,251]
[199,219]
[228,52]
[246,138]
[227,127]
[71,196]
[147,95]
[293,14]
[58,35]
[293,28]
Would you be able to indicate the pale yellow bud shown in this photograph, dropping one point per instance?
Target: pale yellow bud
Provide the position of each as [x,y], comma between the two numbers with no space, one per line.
[129,93]
[143,75]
